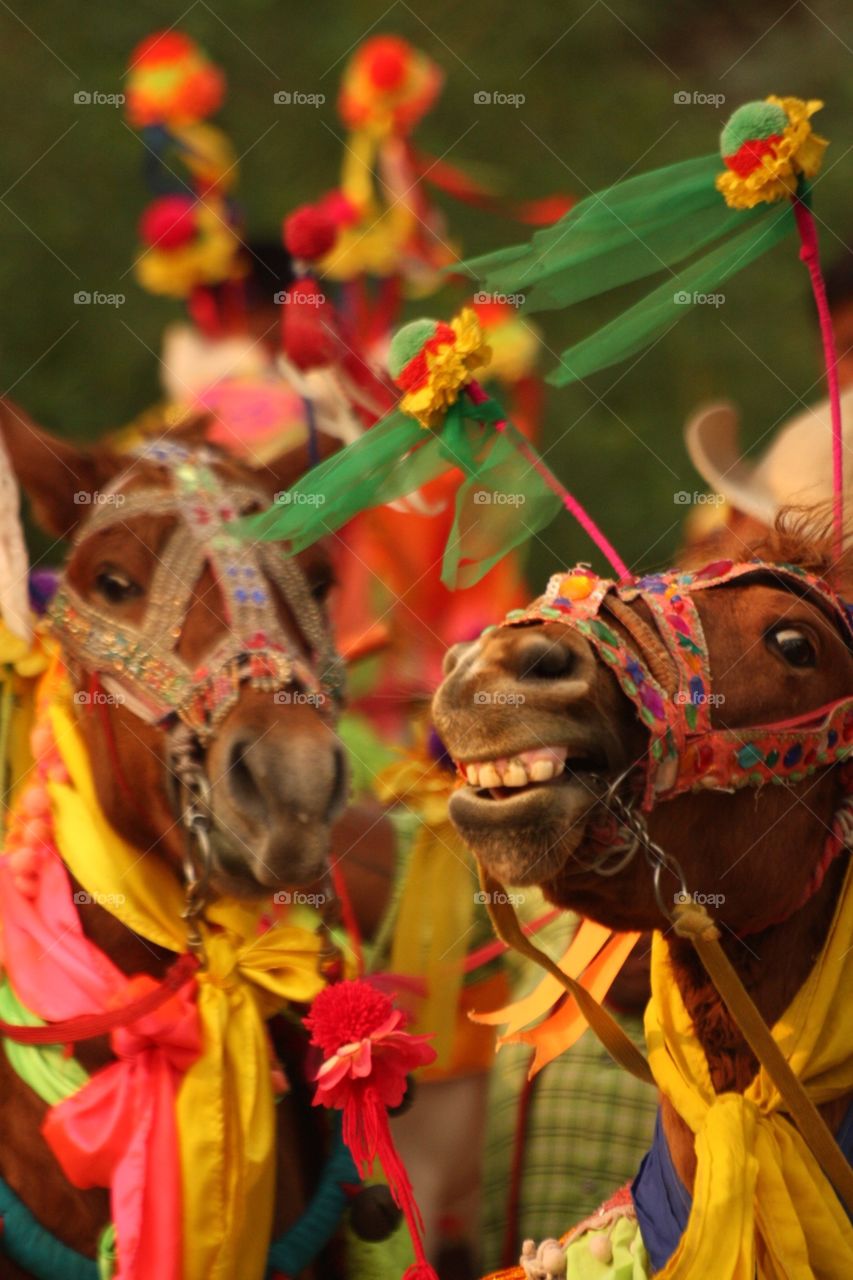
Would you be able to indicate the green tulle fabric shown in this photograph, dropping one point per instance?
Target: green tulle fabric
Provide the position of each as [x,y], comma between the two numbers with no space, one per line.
[638,228]
[500,502]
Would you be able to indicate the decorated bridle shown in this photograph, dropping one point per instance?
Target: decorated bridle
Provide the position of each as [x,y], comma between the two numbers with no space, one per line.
[139,663]
[663,668]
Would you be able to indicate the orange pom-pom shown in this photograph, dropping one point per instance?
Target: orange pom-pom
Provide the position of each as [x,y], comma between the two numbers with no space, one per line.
[171,81]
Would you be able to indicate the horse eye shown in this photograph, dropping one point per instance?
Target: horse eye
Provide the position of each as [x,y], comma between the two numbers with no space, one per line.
[116,587]
[321,587]
[794,646]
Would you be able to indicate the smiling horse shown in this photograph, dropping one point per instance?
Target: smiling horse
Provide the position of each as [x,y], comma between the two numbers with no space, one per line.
[680,742]
[193,683]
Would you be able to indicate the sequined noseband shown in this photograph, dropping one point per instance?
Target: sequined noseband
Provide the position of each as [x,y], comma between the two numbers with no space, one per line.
[674,697]
[140,661]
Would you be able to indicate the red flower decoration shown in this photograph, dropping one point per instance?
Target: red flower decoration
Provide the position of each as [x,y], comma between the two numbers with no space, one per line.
[368,1056]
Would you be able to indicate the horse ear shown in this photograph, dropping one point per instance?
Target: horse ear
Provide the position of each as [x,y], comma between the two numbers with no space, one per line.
[288,467]
[58,477]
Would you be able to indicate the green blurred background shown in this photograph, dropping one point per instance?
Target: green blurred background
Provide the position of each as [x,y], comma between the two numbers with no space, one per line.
[599,82]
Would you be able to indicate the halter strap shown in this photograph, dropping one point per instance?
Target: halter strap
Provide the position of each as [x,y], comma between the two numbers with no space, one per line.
[140,662]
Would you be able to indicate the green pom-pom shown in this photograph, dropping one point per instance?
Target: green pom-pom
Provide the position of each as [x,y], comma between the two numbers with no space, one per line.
[751,121]
[407,342]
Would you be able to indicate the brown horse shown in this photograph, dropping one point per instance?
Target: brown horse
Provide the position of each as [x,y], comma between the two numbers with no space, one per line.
[276,769]
[539,725]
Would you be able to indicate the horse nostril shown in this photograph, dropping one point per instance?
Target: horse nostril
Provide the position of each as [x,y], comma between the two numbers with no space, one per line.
[540,657]
[451,658]
[241,783]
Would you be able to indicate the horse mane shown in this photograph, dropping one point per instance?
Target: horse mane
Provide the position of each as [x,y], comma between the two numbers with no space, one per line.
[804,536]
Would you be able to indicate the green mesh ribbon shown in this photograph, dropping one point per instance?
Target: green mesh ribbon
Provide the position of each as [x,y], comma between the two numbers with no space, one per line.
[499,503]
[635,229]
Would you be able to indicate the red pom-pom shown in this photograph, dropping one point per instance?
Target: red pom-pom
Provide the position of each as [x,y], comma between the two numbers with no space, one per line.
[309,232]
[308,336]
[339,208]
[346,1012]
[387,60]
[161,46]
[169,222]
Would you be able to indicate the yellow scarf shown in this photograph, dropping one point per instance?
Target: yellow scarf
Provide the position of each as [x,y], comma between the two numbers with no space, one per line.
[761,1205]
[225,1110]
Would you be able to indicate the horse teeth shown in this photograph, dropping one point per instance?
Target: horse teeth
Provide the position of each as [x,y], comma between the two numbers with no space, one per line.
[489,776]
[472,773]
[515,774]
[542,770]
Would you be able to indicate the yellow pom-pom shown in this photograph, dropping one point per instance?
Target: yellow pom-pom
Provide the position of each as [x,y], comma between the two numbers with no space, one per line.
[764,170]
[434,377]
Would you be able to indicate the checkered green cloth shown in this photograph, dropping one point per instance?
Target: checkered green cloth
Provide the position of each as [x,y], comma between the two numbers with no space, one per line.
[588,1126]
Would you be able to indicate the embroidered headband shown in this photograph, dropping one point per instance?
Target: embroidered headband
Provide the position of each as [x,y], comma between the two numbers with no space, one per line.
[141,660]
[686,752]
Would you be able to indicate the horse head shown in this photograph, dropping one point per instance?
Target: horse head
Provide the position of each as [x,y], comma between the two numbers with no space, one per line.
[198,661]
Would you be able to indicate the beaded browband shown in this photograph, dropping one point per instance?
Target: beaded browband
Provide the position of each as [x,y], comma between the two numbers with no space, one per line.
[686,752]
[140,662]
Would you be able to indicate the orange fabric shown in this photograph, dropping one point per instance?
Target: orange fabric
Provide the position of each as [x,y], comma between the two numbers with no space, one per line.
[473,1046]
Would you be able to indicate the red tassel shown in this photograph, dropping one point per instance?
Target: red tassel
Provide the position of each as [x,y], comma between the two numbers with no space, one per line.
[368,1056]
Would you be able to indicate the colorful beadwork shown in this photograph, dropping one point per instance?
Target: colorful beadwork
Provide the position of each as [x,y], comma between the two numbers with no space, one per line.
[686,753]
[142,661]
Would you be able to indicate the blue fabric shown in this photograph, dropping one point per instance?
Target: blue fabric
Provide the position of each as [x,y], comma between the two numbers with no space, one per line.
[663,1202]
[661,1199]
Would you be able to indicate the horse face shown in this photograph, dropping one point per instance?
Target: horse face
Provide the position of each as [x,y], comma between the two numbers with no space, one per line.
[540,727]
[273,762]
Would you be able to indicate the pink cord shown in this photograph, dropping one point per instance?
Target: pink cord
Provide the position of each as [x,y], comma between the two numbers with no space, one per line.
[811,257]
[478,396]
